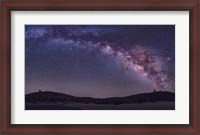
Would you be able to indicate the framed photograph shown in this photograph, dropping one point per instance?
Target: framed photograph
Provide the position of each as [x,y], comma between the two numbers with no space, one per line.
[100,67]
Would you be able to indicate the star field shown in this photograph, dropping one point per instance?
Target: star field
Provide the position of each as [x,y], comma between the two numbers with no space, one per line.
[100,60]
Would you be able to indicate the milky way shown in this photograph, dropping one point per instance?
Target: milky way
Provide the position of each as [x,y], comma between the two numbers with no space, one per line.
[144,51]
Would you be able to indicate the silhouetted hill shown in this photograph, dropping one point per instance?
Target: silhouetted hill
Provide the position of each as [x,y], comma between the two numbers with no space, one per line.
[54,97]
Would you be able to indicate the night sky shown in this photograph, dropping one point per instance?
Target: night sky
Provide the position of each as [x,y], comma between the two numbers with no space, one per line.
[99,60]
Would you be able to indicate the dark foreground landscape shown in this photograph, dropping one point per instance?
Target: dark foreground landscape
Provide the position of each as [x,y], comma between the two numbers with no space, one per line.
[47,100]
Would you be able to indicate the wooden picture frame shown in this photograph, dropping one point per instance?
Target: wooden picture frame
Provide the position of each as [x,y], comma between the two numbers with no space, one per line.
[7,6]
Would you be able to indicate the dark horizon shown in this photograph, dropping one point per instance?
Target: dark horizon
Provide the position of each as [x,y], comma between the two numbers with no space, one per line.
[48,100]
[97,97]
[100,60]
